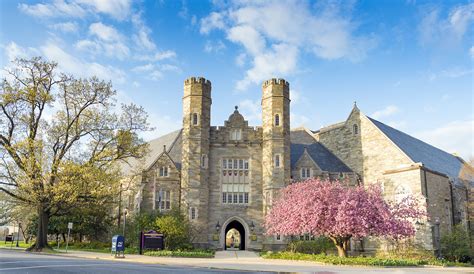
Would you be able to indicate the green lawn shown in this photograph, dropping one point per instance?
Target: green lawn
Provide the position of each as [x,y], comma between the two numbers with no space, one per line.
[370,261]
[9,244]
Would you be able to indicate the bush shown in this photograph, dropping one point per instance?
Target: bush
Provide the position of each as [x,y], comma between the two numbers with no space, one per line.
[316,246]
[455,245]
[176,230]
[198,253]
[372,261]
[406,250]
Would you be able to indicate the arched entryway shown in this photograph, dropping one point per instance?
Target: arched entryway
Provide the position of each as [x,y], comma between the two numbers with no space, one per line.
[234,236]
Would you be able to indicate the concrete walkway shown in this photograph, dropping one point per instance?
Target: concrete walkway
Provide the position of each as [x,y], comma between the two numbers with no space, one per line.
[251,261]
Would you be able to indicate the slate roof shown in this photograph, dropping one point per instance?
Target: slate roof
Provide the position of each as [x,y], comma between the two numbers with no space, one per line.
[325,159]
[431,157]
[173,147]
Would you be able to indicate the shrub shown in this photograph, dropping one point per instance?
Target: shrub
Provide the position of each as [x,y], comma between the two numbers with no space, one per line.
[455,245]
[316,246]
[176,229]
[198,253]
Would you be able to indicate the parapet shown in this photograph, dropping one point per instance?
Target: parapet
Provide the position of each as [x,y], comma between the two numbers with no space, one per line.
[275,81]
[197,80]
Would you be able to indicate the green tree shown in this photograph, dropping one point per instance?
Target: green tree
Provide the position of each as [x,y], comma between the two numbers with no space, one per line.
[455,245]
[61,139]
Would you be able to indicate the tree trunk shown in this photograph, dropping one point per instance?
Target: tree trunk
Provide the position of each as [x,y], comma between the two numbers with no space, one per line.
[42,233]
[341,243]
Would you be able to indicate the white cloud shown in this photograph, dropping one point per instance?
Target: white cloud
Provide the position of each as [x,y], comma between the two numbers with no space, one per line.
[118,9]
[142,37]
[387,111]
[240,59]
[58,8]
[157,56]
[65,27]
[294,96]
[13,51]
[454,137]
[274,37]
[165,124]
[143,68]
[104,32]
[471,52]
[434,29]
[71,64]
[252,111]
[216,47]
[298,120]
[454,72]
[214,20]
[89,46]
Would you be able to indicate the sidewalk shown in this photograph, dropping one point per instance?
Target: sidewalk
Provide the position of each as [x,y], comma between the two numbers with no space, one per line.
[250,261]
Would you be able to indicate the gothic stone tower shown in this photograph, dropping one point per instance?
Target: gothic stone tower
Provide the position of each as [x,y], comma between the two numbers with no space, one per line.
[195,151]
[276,168]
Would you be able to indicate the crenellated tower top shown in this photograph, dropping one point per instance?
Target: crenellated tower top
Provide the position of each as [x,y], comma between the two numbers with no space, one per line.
[276,87]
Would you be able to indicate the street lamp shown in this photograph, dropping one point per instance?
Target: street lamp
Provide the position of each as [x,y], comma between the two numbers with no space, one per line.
[124,221]
[252,226]
[218,226]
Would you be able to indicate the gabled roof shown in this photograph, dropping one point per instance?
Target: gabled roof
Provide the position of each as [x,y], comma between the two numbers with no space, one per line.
[420,152]
[325,159]
[172,141]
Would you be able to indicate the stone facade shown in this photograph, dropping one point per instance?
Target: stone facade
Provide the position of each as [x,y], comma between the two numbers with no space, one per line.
[225,177]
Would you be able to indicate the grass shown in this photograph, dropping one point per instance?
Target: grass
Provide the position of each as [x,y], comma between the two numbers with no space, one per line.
[9,244]
[368,261]
[200,253]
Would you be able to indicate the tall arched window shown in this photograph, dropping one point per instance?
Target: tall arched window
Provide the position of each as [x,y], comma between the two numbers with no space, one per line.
[355,129]
[195,119]
[277,120]
[277,160]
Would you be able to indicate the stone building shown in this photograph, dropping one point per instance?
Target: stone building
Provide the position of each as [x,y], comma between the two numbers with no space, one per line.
[226,177]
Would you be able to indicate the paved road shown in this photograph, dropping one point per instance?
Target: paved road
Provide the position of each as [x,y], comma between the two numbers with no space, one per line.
[21,262]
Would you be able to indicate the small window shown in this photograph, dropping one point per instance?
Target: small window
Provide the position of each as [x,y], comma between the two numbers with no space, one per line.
[204,161]
[278,237]
[277,120]
[355,129]
[305,173]
[277,160]
[164,171]
[193,213]
[195,119]
[236,134]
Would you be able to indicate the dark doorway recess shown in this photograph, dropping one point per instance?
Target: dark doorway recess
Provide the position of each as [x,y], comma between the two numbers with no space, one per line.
[241,234]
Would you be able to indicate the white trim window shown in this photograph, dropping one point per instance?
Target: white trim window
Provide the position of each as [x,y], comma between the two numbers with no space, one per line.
[235,181]
[305,172]
[163,199]
[164,171]
[236,134]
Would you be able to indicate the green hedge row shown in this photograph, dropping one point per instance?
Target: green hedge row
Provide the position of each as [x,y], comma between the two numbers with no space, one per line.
[371,261]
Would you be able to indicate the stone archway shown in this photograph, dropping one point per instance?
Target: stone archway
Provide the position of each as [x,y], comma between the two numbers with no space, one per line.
[234,236]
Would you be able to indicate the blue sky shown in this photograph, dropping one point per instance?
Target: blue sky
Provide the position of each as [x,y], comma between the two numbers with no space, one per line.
[408,64]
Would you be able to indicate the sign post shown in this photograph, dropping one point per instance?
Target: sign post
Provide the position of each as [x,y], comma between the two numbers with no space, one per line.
[69,227]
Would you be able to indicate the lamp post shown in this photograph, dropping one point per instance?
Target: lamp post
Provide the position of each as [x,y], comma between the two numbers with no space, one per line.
[252,226]
[124,222]
[18,235]
[218,226]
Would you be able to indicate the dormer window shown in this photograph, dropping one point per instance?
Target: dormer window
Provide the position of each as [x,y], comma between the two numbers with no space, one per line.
[305,173]
[355,129]
[164,171]
[236,134]
[277,120]
[195,119]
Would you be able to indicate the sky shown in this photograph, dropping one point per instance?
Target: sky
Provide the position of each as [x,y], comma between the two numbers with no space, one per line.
[408,64]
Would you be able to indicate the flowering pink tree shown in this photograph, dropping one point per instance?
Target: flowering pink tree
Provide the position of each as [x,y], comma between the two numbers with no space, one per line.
[340,212]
